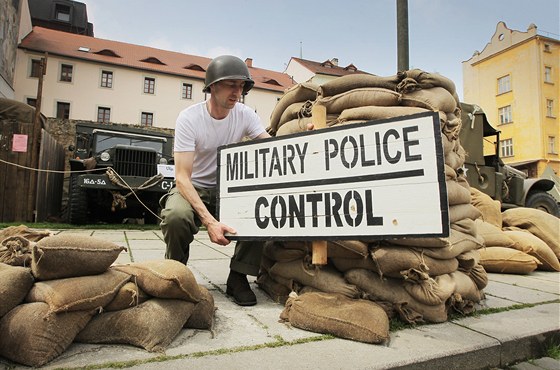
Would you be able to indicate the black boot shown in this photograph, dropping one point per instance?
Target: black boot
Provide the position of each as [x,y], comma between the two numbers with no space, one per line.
[238,288]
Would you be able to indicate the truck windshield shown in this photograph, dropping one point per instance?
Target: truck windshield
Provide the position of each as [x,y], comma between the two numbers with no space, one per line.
[104,142]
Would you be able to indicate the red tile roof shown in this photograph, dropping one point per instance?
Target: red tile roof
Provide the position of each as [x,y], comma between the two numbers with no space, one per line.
[138,57]
[328,68]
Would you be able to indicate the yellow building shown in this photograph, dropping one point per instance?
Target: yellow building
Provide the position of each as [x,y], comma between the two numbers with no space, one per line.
[515,80]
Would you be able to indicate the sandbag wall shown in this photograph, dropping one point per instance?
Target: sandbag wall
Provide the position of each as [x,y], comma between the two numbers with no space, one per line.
[416,279]
[57,289]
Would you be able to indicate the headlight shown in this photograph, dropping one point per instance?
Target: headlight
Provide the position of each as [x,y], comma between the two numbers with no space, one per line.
[105,156]
[162,161]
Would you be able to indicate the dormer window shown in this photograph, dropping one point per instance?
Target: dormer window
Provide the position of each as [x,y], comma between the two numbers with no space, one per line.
[108,53]
[327,64]
[62,13]
[194,67]
[351,67]
[153,60]
[271,81]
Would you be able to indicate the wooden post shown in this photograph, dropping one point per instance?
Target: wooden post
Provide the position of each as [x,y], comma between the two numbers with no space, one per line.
[319,247]
[36,140]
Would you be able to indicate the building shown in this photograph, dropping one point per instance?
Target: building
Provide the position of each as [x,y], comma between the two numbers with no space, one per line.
[302,70]
[88,78]
[12,31]
[63,15]
[516,81]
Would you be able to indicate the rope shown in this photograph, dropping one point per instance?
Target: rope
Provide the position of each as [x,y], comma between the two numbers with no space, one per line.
[119,200]
[41,170]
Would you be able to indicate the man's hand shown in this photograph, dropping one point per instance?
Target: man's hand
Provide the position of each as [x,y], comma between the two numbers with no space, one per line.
[217,230]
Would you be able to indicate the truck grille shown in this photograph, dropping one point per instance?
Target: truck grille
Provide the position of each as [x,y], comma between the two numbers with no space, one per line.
[133,162]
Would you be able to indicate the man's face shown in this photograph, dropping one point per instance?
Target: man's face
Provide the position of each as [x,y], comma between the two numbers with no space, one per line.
[227,92]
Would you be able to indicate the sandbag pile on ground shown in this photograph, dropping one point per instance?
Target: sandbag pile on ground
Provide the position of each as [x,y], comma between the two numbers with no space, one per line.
[416,279]
[71,290]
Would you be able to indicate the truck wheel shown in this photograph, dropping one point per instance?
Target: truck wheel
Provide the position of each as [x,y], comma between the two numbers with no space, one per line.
[543,201]
[77,203]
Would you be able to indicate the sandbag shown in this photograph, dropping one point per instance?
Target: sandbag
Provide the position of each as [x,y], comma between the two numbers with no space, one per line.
[372,113]
[415,79]
[326,279]
[456,193]
[27,338]
[490,209]
[334,314]
[392,260]
[436,99]
[297,93]
[507,261]
[459,212]
[466,226]
[15,250]
[466,287]
[68,255]
[479,276]
[202,316]
[291,112]
[345,264]
[78,293]
[539,223]
[151,325]
[347,249]
[164,279]
[443,248]
[294,126]
[25,232]
[350,82]
[359,98]
[129,295]
[535,247]
[455,158]
[392,290]
[277,292]
[431,292]
[468,260]
[15,283]
[493,236]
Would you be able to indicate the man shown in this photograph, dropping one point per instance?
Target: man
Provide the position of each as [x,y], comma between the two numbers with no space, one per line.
[200,130]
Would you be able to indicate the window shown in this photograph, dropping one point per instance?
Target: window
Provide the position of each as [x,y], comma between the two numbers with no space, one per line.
[504,84]
[549,108]
[187,91]
[35,68]
[66,73]
[548,74]
[149,85]
[32,102]
[505,115]
[106,79]
[103,114]
[62,13]
[147,119]
[552,145]
[506,148]
[62,110]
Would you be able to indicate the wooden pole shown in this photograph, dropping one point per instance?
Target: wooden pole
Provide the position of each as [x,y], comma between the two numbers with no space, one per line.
[319,247]
[36,139]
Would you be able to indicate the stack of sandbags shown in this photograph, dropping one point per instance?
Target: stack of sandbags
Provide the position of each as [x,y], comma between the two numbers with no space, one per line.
[522,242]
[73,292]
[420,279]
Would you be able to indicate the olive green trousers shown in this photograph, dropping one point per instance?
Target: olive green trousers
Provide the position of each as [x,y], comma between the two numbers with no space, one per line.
[180,224]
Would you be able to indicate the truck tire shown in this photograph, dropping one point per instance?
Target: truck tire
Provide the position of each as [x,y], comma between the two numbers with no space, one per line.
[77,203]
[543,201]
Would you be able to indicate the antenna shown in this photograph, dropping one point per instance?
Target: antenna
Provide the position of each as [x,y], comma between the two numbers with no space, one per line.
[301,50]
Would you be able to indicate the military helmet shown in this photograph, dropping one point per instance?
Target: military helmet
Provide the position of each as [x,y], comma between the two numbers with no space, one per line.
[227,67]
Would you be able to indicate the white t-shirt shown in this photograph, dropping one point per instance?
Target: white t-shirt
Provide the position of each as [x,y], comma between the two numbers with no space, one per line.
[196,131]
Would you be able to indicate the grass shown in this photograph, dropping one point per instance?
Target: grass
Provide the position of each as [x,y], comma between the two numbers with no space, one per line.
[553,350]
[59,226]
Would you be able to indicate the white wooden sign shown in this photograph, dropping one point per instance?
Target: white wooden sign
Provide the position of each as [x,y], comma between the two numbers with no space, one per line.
[373,180]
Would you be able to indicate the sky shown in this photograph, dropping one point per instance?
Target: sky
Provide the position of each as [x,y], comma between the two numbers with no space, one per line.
[442,33]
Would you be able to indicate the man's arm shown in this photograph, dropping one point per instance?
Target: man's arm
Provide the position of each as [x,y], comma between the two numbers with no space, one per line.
[183,171]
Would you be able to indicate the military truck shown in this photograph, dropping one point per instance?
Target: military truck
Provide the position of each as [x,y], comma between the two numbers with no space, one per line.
[119,172]
[489,174]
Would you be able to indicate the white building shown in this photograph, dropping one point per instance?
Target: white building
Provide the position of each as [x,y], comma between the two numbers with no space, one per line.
[88,78]
[303,70]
